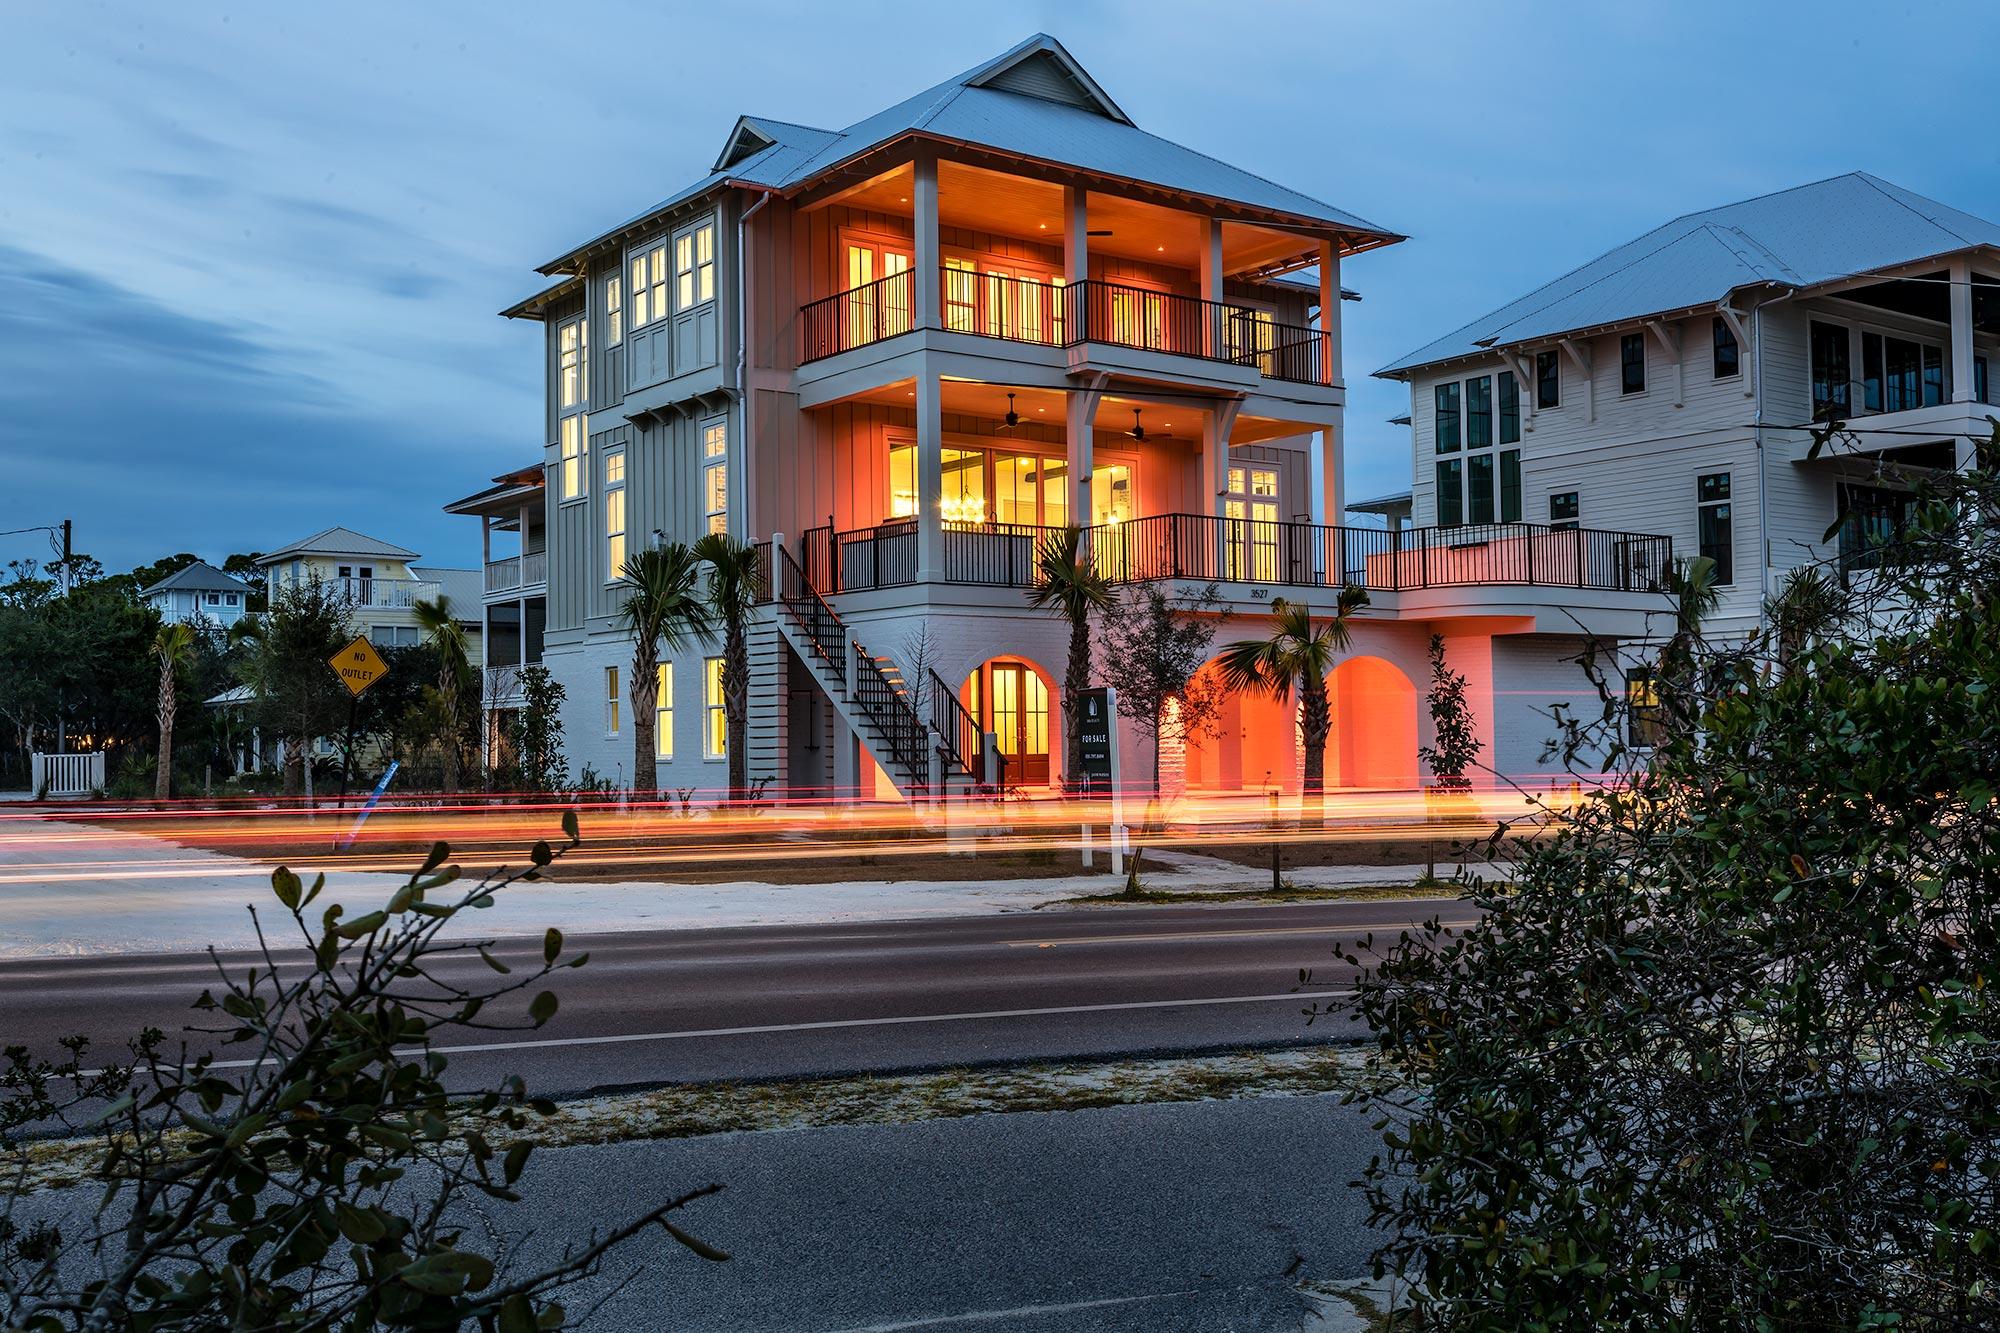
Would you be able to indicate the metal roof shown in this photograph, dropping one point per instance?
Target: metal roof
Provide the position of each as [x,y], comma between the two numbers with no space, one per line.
[463,589]
[1832,229]
[1089,132]
[336,541]
[200,577]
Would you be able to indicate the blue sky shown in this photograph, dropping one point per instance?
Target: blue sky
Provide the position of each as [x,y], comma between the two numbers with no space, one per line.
[250,254]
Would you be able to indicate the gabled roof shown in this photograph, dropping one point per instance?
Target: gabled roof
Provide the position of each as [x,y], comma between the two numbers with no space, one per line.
[1801,237]
[337,541]
[516,485]
[197,577]
[1033,101]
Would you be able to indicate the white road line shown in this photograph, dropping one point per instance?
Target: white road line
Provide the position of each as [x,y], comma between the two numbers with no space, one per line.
[825,1024]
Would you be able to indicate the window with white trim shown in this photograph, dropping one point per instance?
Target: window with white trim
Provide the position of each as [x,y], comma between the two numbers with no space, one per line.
[1484,486]
[715,473]
[614,310]
[694,267]
[1563,510]
[663,711]
[649,286]
[614,516]
[572,363]
[715,722]
[611,701]
[575,456]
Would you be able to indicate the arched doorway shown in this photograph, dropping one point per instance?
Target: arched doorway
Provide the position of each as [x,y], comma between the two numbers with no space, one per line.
[1374,740]
[1010,698]
[1252,744]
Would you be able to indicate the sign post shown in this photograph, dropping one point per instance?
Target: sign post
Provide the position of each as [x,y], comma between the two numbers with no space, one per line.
[1098,740]
[358,665]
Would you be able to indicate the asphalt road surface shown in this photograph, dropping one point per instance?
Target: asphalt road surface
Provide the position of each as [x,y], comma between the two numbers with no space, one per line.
[761,1002]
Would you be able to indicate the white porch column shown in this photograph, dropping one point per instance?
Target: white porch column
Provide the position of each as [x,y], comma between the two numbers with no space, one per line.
[929,263]
[1961,331]
[1081,452]
[1329,312]
[1211,281]
[930,477]
[1216,427]
[1076,269]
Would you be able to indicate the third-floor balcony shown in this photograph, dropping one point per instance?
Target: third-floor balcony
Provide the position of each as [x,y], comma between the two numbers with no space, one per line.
[518,572]
[1055,314]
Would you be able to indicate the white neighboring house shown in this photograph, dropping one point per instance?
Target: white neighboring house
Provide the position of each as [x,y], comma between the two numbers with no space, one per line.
[380,582]
[1668,385]
[198,595]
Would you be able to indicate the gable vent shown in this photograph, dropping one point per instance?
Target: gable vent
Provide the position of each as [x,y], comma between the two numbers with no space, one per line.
[1042,75]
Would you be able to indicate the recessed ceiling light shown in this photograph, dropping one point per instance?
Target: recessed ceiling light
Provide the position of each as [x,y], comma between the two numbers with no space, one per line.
[1160,248]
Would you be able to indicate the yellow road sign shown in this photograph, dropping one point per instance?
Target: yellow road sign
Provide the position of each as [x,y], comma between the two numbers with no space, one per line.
[358,665]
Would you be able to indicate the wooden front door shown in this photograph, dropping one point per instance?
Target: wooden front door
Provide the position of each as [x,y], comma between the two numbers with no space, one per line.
[1020,724]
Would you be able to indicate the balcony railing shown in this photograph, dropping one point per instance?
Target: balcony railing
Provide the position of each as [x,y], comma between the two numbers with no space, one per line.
[1203,548]
[382,594]
[530,570]
[1025,310]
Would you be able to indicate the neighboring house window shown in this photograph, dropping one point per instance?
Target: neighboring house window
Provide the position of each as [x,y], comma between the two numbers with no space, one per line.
[1871,517]
[611,701]
[715,724]
[1563,509]
[1450,499]
[715,473]
[1632,363]
[1479,488]
[663,712]
[572,363]
[1830,372]
[1510,408]
[393,636]
[229,599]
[1898,374]
[1479,412]
[1644,725]
[614,516]
[1713,534]
[1548,381]
[1445,400]
[1510,485]
[215,599]
[649,286]
[614,310]
[694,266]
[1979,380]
[1727,356]
[575,455]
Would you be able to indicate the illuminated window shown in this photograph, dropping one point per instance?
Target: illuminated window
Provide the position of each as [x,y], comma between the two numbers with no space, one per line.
[715,728]
[649,286]
[575,455]
[961,296]
[694,267]
[572,364]
[611,701]
[715,474]
[1644,723]
[614,310]
[614,516]
[875,306]
[1251,508]
[663,712]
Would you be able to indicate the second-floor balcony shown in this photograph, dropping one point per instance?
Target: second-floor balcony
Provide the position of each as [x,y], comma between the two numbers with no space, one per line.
[518,572]
[1055,314]
[383,594]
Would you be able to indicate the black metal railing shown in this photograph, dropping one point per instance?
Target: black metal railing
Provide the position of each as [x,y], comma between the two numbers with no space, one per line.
[992,555]
[857,317]
[958,731]
[822,626]
[896,721]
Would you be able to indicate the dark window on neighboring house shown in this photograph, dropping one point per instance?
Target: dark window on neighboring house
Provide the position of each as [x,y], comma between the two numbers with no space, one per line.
[1479,412]
[1510,408]
[1548,381]
[1644,723]
[1933,375]
[1450,504]
[1632,363]
[1829,371]
[1979,380]
[1871,517]
[1510,485]
[1563,509]
[1713,535]
[1445,398]
[1871,372]
[1479,488]
[1728,358]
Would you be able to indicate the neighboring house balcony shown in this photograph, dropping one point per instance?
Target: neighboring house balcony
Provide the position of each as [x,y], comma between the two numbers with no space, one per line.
[518,573]
[372,594]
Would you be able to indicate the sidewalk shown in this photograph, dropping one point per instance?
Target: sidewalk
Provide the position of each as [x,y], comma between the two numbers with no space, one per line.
[78,889]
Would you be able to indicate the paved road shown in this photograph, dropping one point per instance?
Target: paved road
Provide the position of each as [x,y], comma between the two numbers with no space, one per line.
[673,1006]
[1199,1216]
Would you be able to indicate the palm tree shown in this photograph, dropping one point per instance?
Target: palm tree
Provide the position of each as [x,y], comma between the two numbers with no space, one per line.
[171,644]
[1068,585]
[443,632]
[1298,655]
[1696,594]
[664,607]
[732,597]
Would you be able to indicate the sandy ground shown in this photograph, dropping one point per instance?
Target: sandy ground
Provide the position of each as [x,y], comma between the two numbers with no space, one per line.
[72,889]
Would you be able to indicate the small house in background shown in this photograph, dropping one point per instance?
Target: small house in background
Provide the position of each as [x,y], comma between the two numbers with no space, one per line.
[380,582]
[198,594]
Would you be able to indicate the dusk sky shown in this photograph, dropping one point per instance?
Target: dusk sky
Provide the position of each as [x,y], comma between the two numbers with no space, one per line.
[251,254]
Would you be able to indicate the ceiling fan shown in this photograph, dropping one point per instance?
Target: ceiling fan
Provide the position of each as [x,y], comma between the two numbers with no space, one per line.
[1141,434]
[1013,418]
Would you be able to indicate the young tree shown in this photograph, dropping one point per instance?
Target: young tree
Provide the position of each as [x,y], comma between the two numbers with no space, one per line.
[171,645]
[454,679]
[1455,747]
[323,1182]
[1068,585]
[666,607]
[1722,1056]
[731,600]
[537,735]
[1297,656]
[1154,649]
[299,698]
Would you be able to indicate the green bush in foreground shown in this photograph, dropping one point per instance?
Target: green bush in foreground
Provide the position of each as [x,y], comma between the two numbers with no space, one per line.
[325,1178]
[1724,1056]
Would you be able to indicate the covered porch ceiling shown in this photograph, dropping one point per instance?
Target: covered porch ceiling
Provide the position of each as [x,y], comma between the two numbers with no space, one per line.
[975,198]
[1165,416]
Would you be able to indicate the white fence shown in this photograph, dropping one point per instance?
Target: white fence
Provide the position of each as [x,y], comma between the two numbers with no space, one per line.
[67,774]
